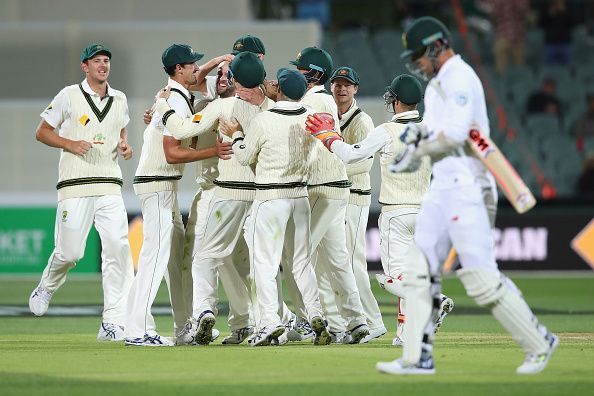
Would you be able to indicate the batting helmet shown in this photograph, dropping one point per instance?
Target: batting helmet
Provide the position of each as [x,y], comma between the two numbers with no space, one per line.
[317,62]
[421,34]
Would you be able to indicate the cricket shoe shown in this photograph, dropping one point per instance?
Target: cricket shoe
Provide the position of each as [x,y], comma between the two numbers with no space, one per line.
[373,334]
[535,363]
[187,334]
[238,336]
[206,322]
[215,334]
[154,340]
[110,332]
[398,367]
[445,307]
[338,337]
[397,341]
[355,335]
[268,334]
[300,331]
[39,300]
[322,336]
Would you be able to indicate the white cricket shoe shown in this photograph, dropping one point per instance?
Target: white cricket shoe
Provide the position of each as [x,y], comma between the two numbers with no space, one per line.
[215,334]
[534,364]
[39,300]
[110,332]
[445,307]
[397,341]
[398,367]
[267,334]
[206,322]
[154,340]
[337,337]
[322,335]
[187,334]
[355,335]
[373,334]
[299,330]
[238,336]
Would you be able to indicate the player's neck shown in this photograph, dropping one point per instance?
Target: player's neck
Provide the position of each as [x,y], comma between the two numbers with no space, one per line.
[181,82]
[99,87]
[344,107]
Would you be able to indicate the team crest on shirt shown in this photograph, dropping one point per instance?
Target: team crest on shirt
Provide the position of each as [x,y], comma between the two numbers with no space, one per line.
[64,216]
[84,120]
[461,98]
[99,138]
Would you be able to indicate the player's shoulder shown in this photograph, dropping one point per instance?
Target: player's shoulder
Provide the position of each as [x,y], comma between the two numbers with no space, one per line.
[117,94]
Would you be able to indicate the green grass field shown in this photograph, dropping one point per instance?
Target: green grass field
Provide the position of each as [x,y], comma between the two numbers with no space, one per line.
[59,355]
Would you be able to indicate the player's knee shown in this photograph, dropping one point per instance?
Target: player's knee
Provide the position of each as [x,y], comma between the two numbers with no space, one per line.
[485,286]
[115,245]
[69,255]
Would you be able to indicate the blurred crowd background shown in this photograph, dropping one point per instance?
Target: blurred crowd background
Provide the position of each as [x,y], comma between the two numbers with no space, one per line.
[535,58]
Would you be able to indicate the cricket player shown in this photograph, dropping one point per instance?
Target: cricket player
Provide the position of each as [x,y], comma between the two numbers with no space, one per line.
[233,196]
[453,213]
[355,124]
[156,185]
[276,141]
[87,121]
[401,193]
[328,188]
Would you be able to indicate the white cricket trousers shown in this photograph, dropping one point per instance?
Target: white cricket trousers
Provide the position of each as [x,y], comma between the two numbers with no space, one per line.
[336,281]
[356,227]
[162,249]
[73,222]
[397,232]
[219,249]
[272,223]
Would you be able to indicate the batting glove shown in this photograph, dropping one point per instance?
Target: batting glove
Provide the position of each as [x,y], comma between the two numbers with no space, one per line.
[414,133]
[407,161]
[322,127]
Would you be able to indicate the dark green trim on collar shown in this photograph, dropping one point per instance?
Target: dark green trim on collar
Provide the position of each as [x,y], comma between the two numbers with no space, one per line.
[324,91]
[298,111]
[407,120]
[100,114]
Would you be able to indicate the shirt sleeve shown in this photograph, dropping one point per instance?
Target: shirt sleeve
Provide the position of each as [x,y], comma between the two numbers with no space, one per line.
[352,153]
[182,128]
[58,110]
[127,112]
[177,104]
[459,105]
[356,134]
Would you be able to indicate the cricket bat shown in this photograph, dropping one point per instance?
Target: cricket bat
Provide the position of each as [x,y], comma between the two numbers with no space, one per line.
[512,185]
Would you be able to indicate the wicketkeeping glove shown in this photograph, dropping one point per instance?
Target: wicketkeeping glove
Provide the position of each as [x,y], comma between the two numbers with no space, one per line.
[322,127]
[414,133]
[407,161]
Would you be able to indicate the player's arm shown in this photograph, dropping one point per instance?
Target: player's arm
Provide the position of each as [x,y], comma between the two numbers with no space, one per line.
[182,128]
[348,153]
[245,148]
[359,132]
[206,68]
[51,119]
[124,148]
[175,153]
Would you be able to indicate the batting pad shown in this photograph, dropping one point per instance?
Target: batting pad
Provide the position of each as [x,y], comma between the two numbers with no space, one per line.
[490,288]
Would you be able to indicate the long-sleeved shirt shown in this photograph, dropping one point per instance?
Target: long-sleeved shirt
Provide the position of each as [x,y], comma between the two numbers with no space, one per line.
[397,189]
[279,144]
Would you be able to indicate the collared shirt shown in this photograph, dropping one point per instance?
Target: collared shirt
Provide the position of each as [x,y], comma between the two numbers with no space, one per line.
[57,114]
[455,102]
[177,103]
[375,141]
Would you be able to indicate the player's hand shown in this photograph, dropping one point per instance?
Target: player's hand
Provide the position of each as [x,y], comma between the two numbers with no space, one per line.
[270,88]
[223,149]
[78,147]
[406,161]
[414,133]
[254,95]
[148,115]
[228,127]
[125,150]
[163,93]
[322,127]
